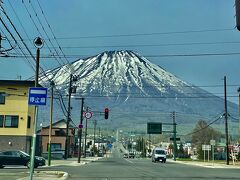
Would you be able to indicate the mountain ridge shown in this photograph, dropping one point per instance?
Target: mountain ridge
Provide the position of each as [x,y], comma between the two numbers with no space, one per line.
[125,81]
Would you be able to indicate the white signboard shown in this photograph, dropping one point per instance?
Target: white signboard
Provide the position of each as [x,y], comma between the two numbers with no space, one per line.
[206,147]
[212,142]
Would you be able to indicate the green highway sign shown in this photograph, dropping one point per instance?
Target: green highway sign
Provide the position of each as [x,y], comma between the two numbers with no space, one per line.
[154,128]
[172,139]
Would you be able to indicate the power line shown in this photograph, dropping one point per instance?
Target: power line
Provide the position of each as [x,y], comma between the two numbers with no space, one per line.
[148,97]
[52,31]
[31,55]
[35,25]
[147,56]
[24,55]
[36,14]
[205,126]
[149,34]
[150,45]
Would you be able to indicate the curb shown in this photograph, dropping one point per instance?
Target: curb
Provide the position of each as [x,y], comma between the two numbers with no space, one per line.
[65,176]
[210,165]
[41,175]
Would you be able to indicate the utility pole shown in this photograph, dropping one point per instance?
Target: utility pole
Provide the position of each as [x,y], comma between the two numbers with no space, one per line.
[143,153]
[94,134]
[99,137]
[174,137]
[85,147]
[149,145]
[68,118]
[0,42]
[226,119]
[80,133]
[239,110]
[50,126]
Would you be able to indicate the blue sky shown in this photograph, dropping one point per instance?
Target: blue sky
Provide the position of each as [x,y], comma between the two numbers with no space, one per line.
[86,24]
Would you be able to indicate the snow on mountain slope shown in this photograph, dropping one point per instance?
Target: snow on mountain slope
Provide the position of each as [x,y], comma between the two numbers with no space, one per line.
[127,82]
[116,72]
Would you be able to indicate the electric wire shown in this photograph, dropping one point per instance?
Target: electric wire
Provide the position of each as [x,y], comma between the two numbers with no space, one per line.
[151,45]
[52,31]
[35,25]
[149,34]
[57,54]
[43,72]
[9,42]
[147,56]
[209,124]
[31,65]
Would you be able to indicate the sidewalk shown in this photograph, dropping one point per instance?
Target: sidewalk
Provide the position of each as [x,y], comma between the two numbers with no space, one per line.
[74,161]
[59,175]
[207,164]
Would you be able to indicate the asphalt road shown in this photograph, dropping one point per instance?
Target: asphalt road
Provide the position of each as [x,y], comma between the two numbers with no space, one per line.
[118,168]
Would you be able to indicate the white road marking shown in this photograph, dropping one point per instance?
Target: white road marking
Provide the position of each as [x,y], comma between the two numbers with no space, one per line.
[129,161]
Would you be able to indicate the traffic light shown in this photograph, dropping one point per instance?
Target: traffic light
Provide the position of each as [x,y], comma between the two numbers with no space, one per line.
[106,111]
[237,6]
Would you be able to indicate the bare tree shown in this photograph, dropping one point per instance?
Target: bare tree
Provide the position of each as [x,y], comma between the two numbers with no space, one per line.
[202,134]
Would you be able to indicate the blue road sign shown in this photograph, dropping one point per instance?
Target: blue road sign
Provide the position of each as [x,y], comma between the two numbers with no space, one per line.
[37,96]
[109,146]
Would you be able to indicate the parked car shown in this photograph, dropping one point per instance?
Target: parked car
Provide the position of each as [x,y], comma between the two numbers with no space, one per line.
[19,158]
[131,155]
[125,155]
[100,154]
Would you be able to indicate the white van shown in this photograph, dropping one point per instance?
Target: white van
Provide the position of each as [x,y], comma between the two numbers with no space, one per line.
[159,154]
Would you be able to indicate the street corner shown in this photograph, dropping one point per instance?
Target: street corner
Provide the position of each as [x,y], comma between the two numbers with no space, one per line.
[46,175]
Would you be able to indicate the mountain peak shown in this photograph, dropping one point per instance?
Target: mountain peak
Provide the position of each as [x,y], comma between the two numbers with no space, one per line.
[113,72]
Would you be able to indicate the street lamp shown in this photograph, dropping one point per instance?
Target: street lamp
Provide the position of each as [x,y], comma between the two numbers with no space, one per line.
[38,43]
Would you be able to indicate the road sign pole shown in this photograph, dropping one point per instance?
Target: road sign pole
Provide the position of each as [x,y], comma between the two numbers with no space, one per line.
[34,143]
[204,150]
[213,154]
[35,119]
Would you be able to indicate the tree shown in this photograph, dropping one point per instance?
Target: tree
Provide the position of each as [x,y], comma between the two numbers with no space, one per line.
[202,134]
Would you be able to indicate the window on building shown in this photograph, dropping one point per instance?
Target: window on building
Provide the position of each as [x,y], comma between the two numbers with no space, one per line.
[60,132]
[55,147]
[1,120]
[11,121]
[2,98]
[29,122]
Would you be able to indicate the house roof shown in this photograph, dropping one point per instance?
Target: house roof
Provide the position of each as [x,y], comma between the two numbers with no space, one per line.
[61,124]
[17,82]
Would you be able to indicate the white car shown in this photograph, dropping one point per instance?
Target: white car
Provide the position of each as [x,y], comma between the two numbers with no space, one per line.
[159,154]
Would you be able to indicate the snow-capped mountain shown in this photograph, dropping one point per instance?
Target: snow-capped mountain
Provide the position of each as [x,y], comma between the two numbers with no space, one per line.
[129,84]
